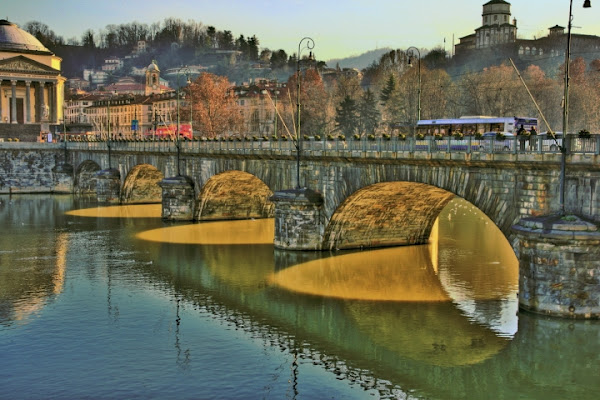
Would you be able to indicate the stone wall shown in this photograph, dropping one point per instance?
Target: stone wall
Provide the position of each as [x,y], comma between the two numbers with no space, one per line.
[22,132]
[24,170]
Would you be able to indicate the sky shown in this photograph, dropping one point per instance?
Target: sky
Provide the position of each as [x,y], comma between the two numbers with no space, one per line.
[339,28]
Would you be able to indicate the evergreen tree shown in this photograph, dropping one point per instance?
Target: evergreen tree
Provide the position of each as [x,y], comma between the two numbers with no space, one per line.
[253,48]
[346,118]
[389,89]
[369,115]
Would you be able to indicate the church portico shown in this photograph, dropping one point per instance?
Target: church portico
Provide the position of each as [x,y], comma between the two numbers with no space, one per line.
[31,85]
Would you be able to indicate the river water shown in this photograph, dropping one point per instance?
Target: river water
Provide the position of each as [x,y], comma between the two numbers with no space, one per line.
[113,303]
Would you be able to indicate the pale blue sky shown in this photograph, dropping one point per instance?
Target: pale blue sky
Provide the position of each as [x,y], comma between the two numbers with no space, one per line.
[339,28]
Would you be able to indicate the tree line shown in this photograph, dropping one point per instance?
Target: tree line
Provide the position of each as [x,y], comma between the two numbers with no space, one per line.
[382,99]
[172,42]
[495,90]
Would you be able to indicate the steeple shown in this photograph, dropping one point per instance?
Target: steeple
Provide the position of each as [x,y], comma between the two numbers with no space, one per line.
[152,79]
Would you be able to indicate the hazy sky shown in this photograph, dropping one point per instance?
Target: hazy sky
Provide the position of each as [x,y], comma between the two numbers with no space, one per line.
[339,28]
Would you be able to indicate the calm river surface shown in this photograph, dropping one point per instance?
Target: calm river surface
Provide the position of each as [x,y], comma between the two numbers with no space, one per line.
[113,303]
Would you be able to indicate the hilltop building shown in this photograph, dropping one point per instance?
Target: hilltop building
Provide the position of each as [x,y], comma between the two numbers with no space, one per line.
[497,38]
[31,85]
[495,28]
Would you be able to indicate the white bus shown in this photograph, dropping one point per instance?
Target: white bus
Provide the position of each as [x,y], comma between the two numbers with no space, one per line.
[472,125]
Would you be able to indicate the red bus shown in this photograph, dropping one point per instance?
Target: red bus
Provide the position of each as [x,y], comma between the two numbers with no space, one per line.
[162,131]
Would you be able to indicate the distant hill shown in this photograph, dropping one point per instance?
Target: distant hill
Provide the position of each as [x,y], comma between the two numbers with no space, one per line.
[362,61]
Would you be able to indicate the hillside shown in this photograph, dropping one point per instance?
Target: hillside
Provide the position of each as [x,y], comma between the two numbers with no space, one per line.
[361,61]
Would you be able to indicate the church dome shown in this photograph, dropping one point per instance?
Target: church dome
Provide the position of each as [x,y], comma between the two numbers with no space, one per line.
[153,67]
[13,38]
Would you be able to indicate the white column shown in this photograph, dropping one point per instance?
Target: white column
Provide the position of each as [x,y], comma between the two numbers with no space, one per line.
[1,110]
[27,102]
[13,104]
[41,109]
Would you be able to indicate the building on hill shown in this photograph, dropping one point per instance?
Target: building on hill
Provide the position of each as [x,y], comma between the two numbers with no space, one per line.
[495,28]
[112,64]
[496,40]
[31,85]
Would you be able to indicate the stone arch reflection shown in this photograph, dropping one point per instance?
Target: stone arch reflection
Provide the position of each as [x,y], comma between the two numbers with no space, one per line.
[483,272]
[404,274]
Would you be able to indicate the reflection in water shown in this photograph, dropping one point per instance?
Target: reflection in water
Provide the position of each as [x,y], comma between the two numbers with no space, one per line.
[391,274]
[445,328]
[435,333]
[32,258]
[126,211]
[254,231]
[478,267]
[480,263]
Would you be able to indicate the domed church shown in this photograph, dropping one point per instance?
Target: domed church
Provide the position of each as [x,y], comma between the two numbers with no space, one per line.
[31,85]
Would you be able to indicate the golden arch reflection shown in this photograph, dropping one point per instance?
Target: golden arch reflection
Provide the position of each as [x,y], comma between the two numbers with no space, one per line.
[124,211]
[259,231]
[392,274]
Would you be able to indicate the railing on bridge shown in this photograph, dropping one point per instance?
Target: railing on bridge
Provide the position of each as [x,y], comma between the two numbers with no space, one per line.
[380,147]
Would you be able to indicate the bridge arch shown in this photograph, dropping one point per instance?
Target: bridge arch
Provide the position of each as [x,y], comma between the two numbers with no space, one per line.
[141,185]
[386,214]
[497,193]
[234,195]
[85,178]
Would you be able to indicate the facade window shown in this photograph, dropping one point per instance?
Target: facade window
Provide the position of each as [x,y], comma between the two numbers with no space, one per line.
[495,18]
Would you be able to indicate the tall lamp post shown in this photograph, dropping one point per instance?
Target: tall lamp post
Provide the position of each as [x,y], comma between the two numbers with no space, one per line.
[563,148]
[419,77]
[310,44]
[108,137]
[186,70]
[276,116]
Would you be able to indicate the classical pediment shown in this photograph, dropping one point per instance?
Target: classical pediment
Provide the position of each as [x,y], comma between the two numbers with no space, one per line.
[22,64]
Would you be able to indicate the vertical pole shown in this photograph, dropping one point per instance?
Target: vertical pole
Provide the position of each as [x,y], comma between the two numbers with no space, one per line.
[563,149]
[310,44]
[177,130]
[108,138]
[298,137]
[419,84]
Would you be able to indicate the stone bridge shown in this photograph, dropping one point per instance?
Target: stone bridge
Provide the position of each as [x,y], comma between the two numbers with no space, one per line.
[347,197]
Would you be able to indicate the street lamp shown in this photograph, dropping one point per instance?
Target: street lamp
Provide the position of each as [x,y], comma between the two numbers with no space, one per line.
[419,75]
[189,82]
[108,138]
[186,70]
[310,44]
[65,129]
[563,148]
[276,116]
